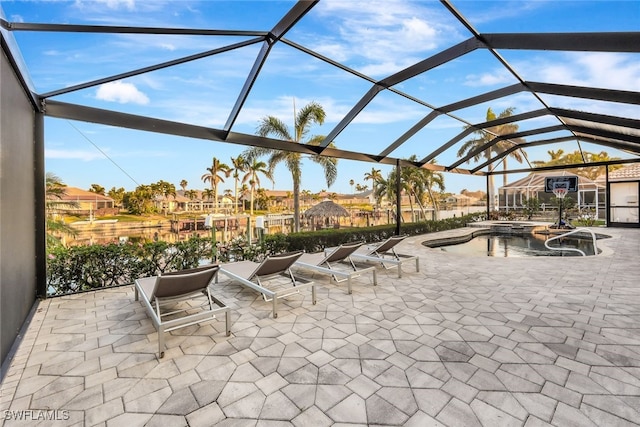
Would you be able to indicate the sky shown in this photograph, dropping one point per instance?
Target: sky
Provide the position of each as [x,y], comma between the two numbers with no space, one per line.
[375,38]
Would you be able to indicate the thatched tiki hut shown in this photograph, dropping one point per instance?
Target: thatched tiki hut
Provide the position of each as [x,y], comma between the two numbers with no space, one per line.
[329,213]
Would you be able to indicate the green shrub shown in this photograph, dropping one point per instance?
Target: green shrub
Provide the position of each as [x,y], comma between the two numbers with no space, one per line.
[81,268]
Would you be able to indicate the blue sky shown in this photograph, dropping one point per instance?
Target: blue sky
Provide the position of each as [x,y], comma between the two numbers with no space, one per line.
[374,38]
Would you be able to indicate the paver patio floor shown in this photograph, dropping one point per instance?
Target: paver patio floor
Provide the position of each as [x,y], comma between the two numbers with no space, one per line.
[467,341]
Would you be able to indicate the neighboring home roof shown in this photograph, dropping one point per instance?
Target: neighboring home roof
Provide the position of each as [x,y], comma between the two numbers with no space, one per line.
[77,195]
[536,181]
[625,173]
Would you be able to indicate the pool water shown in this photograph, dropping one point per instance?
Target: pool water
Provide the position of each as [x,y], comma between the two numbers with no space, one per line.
[508,245]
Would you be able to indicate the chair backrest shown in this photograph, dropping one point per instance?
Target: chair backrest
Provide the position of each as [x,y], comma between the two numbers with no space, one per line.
[184,282]
[342,252]
[275,264]
[388,244]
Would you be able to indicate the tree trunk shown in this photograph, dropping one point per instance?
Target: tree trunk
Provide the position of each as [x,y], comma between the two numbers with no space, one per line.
[296,204]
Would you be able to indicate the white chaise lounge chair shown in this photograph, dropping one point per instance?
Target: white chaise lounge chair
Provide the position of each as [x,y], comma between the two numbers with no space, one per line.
[256,275]
[157,292]
[337,263]
[384,252]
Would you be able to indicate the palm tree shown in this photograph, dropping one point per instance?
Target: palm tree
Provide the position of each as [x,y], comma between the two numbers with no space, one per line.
[213,176]
[483,137]
[239,165]
[183,184]
[55,190]
[208,193]
[253,168]
[270,125]
[376,178]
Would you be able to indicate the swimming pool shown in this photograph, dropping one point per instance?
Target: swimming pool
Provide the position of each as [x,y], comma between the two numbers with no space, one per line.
[517,245]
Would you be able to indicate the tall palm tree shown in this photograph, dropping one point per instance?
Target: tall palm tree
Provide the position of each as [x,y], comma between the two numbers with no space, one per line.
[272,126]
[483,137]
[253,168]
[214,177]
[239,165]
[55,190]
[376,179]
[208,193]
[183,184]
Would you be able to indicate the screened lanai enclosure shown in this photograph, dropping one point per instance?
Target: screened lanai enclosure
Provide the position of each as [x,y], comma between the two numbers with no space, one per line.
[412,80]
[589,199]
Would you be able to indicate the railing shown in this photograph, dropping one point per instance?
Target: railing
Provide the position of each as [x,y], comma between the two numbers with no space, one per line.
[577,230]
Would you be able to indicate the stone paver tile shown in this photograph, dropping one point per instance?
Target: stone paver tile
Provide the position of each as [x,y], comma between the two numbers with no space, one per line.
[181,402]
[381,412]
[320,358]
[484,380]
[402,398]
[419,379]
[504,401]
[278,406]
[329,374]
[312,417]
[352,409]
[420,419]
[492,416]
[88,398]
[302,395]
[245,407]
[149,403]
[129,420]
[570,416]
[159,420]
[552,373]
[271,383]
[626,409]
[307,374]
[514,382]
[104,412]
[431,401]
[460,390]
[486,363]
[606,418]
[458,413]
[246,373]
[206,392]
[328,396]
[562,394]
[536,422]
[233,391]
[206,416]
[363,386]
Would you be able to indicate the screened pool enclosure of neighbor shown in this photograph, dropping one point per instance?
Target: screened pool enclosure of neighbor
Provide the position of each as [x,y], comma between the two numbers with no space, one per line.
[430,98]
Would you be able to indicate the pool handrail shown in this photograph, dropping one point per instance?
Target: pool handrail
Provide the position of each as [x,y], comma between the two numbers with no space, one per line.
[577,230]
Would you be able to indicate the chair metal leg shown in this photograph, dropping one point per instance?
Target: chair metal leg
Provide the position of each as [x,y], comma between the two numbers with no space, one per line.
[275,306]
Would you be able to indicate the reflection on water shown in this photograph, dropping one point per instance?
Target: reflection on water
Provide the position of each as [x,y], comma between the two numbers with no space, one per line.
[90,237]
[505,245]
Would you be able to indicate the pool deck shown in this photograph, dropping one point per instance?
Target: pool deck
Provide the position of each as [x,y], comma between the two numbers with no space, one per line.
[467,341]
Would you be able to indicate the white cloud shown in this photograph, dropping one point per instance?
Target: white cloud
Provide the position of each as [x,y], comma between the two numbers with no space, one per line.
[497,77]
[382,36]
[123,93]
[603,70]
[115,4]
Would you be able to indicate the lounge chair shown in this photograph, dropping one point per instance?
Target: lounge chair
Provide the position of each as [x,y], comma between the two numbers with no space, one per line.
[330,261]
[171,288]
[384,252]
[256,275]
